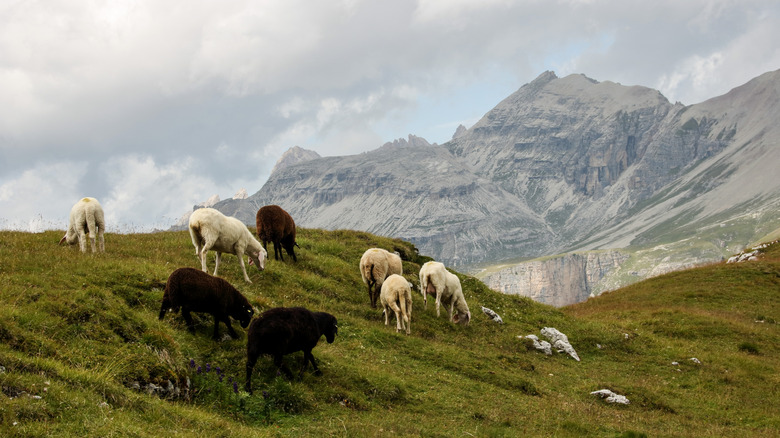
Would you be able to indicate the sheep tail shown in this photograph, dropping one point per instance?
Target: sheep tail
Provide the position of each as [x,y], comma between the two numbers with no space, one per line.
[424,284]
[368,272]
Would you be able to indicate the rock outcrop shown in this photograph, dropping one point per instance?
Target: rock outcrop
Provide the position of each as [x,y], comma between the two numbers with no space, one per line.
[558,281]
[293,156]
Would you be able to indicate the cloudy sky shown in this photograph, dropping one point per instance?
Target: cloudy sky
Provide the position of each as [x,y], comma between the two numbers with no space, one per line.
[152,106]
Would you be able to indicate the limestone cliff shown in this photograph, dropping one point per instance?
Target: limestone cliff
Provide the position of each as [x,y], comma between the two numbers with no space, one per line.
[557,281]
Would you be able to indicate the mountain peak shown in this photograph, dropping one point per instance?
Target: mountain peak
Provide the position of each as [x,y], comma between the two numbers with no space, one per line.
[413,141]
[294,155]
[459,132]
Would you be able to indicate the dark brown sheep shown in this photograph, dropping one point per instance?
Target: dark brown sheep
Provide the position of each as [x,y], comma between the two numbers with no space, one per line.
[196,291]
[277,226]
[285,330]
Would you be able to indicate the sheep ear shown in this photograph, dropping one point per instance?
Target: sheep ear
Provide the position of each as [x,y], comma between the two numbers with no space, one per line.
[63,239]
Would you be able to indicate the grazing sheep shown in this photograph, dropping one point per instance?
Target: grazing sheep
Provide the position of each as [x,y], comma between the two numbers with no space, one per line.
[86,217]
[277,226]
[436,280]
[196,291]
[396,295]
[284,330]
[210,229]
[376,265]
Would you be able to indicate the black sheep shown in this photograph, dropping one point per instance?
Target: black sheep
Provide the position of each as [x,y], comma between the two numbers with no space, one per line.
[285,330]
[277,226]
[196,291]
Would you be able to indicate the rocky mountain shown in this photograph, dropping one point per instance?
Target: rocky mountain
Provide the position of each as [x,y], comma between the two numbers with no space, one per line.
[563,164]
[412,141]
[294,155]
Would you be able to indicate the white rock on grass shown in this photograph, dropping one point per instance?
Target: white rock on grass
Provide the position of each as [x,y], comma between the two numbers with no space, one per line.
[543,346]
[493,315]
[611,397]
[560,342]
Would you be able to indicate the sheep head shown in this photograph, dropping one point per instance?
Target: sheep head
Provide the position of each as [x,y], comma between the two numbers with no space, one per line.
[70,237]
[257,259]
[331,331]
[243,314]
[461,317]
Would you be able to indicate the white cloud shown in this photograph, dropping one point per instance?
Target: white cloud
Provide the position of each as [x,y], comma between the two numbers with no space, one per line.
[145,194]
[41,197]
[703,76]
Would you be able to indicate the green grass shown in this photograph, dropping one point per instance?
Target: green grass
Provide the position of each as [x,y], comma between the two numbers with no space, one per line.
[77,331]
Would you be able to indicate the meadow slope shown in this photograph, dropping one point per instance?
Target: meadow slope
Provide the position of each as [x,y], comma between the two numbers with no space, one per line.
[79,331]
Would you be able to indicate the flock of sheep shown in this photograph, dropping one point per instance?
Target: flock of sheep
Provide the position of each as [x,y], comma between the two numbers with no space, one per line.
[278,331]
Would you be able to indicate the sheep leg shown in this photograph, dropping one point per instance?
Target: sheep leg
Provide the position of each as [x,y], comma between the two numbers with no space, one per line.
[202,255]
[82,240]
[406,312]
[226,320]
[243,268]
[278,250]
[216,265]
[424,290]
[307,356]
[438,303]
[92,234]
[195,243]
[164,308]
[398,321]
[290,248]
[101,240]
[374,295]
[205,246]
[371,294]
[185,313]
[250,365]
[281,366]
[216,327]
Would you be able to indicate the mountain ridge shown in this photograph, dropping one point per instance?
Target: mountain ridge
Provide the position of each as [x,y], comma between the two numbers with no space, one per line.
[563,164]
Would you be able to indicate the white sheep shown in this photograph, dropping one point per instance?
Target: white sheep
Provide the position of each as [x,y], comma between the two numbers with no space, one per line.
[86,217]
[396,295]
[436,280]
[376,265]
[210,229]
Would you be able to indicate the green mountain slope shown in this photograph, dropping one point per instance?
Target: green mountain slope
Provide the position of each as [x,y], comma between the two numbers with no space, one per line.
[78,332]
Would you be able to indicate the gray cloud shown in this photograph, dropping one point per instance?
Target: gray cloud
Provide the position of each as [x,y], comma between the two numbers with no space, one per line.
[153,106]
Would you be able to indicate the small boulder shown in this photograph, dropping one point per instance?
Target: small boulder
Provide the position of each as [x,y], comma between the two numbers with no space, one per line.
[493,315]
[560,342]
[611,397]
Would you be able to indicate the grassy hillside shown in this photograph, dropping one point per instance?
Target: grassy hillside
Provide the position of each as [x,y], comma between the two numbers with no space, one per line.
[78,332]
